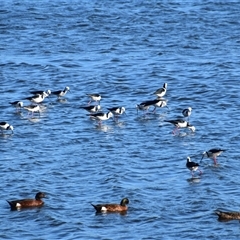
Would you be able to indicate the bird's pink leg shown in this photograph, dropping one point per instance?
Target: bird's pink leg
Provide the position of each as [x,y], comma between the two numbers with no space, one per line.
[175,130]
[215,160]
[115,118]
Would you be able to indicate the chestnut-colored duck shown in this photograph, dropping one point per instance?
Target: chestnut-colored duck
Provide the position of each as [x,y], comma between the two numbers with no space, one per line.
[112,207]
[27,203]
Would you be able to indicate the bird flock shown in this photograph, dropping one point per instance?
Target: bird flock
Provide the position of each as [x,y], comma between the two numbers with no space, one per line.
[94,112]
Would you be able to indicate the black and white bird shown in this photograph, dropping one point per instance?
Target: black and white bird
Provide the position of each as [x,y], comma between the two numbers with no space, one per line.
[101,116]
[213,153]
[160,102]
[187,112]
[5,126]
[38,98]
[17,104]
[61,93]
[180,123]
[117,111]
[161,91]
[48,92]
[94,97]
[144,106]
[192,166]
[32,109]
[92,108]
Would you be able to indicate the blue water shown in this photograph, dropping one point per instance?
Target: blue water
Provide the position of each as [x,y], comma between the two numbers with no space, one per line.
[124,50]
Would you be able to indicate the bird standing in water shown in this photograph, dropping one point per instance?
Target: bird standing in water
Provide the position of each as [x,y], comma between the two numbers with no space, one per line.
[192,166]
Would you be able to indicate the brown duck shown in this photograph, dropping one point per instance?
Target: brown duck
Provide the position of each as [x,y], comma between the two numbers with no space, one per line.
[112,207]
[228,215]
[26,203]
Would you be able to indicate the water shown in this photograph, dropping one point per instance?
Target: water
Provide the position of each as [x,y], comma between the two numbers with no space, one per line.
[124,50]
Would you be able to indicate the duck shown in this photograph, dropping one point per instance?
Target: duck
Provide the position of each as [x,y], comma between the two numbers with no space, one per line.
[26,203]
[228,215]
[112,207]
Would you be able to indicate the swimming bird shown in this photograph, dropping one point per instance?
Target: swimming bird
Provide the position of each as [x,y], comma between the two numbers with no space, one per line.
[92,108]
[161,91]
[6,126]
[94,97]
[26,203]
[192,166]
[48,92]
[180,123]
[38,98]
[228,215]
[117,111]
[112,207]
[187,112]
[17,104]
[32,108]
[101,116]
[213,153]
[61,93]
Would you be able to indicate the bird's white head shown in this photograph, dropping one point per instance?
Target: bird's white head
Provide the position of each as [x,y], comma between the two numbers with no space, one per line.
[20,104]
[204,154]
[192,128]
[10,127]
[110,114]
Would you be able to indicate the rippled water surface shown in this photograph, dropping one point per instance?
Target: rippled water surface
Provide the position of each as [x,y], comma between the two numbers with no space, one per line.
[124,50]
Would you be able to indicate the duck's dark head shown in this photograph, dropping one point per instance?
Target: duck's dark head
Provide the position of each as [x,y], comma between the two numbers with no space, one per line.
[124,202]
[40,195]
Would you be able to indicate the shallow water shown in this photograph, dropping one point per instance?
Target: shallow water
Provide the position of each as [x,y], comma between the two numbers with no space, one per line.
[124,50]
